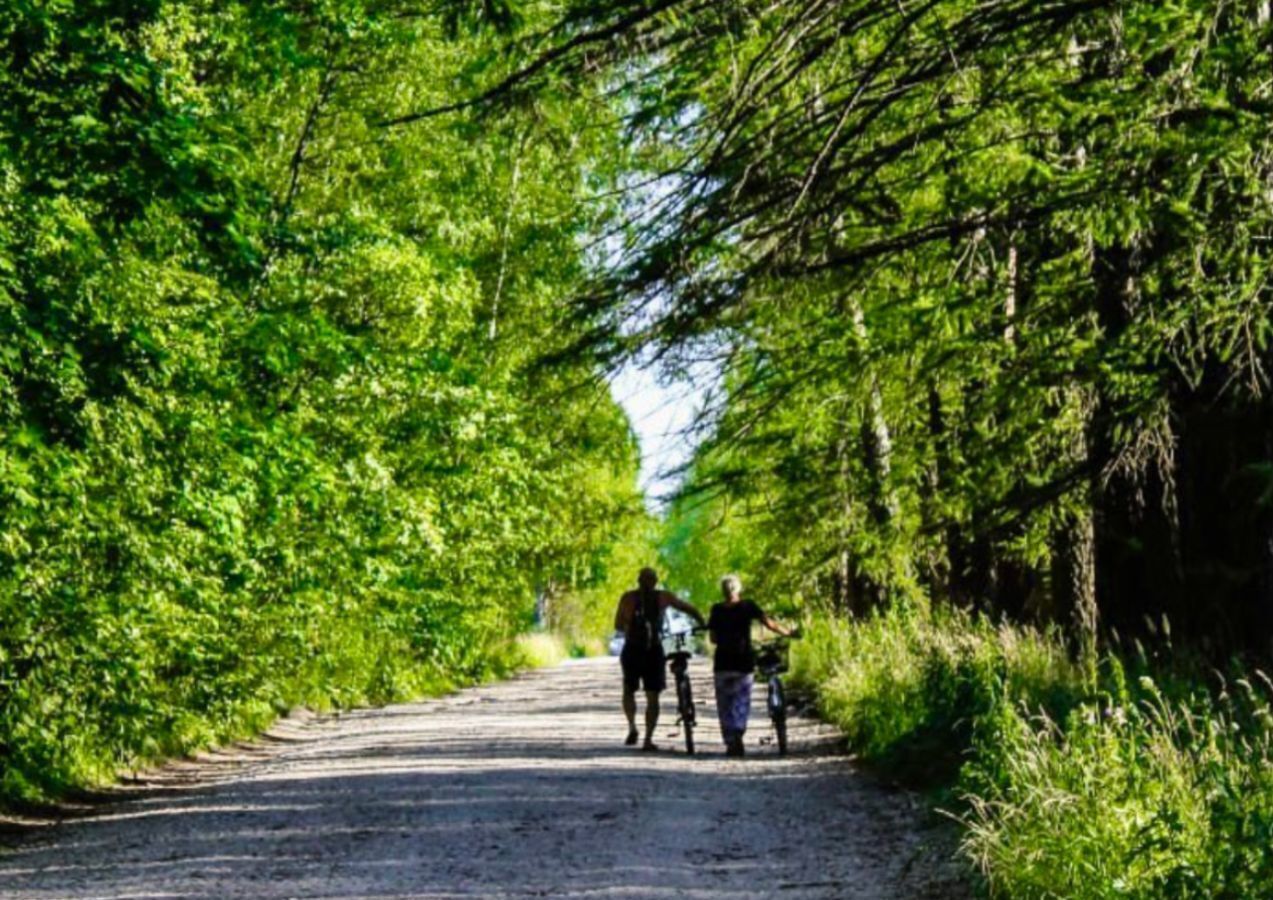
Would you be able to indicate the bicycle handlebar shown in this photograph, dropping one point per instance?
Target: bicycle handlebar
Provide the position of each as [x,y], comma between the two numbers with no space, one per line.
[697,629]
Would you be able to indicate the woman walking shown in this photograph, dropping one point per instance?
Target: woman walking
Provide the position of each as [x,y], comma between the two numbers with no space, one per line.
[730,626]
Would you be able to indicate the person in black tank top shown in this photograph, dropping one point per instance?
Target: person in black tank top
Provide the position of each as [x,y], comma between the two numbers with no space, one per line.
[640,620]
[730,626]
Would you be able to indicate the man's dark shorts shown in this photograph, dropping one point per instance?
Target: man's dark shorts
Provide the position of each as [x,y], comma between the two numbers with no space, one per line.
[648,669]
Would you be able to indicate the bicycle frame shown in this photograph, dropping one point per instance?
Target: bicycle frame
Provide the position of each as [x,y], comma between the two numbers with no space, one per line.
[678,662]
[771,665]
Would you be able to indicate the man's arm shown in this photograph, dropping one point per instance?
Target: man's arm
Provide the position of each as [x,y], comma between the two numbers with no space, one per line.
[677,603]
[622,614]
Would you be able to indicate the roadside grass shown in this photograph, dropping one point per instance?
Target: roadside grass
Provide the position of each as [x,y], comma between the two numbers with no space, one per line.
[52,758]
[540,649]
[97,729]
[1118,778]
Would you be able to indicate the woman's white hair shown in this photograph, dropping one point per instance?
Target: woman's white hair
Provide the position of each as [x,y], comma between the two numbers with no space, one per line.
[732,585]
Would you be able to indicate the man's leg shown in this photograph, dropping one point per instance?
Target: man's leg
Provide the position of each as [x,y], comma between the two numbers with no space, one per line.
[629,710]
[651,716]
[631,678]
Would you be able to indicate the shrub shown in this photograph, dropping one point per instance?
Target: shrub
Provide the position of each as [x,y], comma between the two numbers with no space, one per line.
[900,685]
[1072,782]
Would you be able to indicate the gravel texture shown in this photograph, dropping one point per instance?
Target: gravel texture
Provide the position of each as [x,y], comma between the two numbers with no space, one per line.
[516,789]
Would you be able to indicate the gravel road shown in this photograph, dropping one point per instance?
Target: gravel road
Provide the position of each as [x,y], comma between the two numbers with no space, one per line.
[516,789]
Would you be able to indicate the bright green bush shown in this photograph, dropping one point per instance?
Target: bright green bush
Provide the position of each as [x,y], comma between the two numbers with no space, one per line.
[1069,782]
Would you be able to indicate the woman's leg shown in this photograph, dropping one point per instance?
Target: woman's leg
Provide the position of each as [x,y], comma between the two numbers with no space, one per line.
[733,702]
[723,681]
[724,696]
[742,704]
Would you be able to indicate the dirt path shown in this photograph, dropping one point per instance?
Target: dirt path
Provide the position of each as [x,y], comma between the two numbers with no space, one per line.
[519,789]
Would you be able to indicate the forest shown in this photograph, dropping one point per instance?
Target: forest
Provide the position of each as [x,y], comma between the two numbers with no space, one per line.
[309,310]
[268,433]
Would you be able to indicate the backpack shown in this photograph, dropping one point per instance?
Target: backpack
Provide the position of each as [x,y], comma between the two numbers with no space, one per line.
[643,632]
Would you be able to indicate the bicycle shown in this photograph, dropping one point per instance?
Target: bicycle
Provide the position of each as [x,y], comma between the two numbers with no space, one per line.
[678,661]
[771,662]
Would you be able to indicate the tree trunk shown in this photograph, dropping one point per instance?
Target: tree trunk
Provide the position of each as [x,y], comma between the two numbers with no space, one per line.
[877,442]
[1138,575]
[1074,579]
[1262,637]
[842,576]
[1010,296]
[1074,561]
[852,594]
[939,565]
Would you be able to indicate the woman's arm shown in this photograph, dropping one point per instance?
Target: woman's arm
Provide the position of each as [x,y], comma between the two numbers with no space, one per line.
[775,626]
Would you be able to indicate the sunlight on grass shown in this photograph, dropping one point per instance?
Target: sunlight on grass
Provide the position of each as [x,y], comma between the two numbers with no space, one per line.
[540,649]
[1068,781]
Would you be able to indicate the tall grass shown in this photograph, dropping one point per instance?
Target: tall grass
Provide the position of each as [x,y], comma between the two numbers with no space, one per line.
[908,688]
[1069,780]
[540,649]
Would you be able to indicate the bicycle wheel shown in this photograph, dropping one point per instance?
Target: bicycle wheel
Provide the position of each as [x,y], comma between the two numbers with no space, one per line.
[778,714]
[686,700]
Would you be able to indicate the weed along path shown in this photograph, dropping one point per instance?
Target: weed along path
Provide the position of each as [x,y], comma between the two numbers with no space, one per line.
[517,789]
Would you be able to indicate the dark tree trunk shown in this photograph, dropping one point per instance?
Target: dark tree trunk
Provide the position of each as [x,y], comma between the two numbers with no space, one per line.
[1226,521]
[1074,568]
[1074,580]
[939,568]
[855,596]
[852,594]
[1262,634]
[1137,567]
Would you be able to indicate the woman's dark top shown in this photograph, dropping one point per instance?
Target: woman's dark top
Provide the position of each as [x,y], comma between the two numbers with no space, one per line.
[730,624]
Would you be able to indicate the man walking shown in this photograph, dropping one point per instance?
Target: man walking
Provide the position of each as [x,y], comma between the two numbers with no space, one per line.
[640,618]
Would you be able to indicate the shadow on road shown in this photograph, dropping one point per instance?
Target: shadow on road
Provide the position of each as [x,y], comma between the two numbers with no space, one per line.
[529,794]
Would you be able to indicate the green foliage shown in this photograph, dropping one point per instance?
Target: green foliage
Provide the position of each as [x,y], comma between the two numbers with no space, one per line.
[987,283]
[539,649]
[706,538]
[582,608]
[268,434]
[1147,797]
[988,287]
[1069,787]
[909,686]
